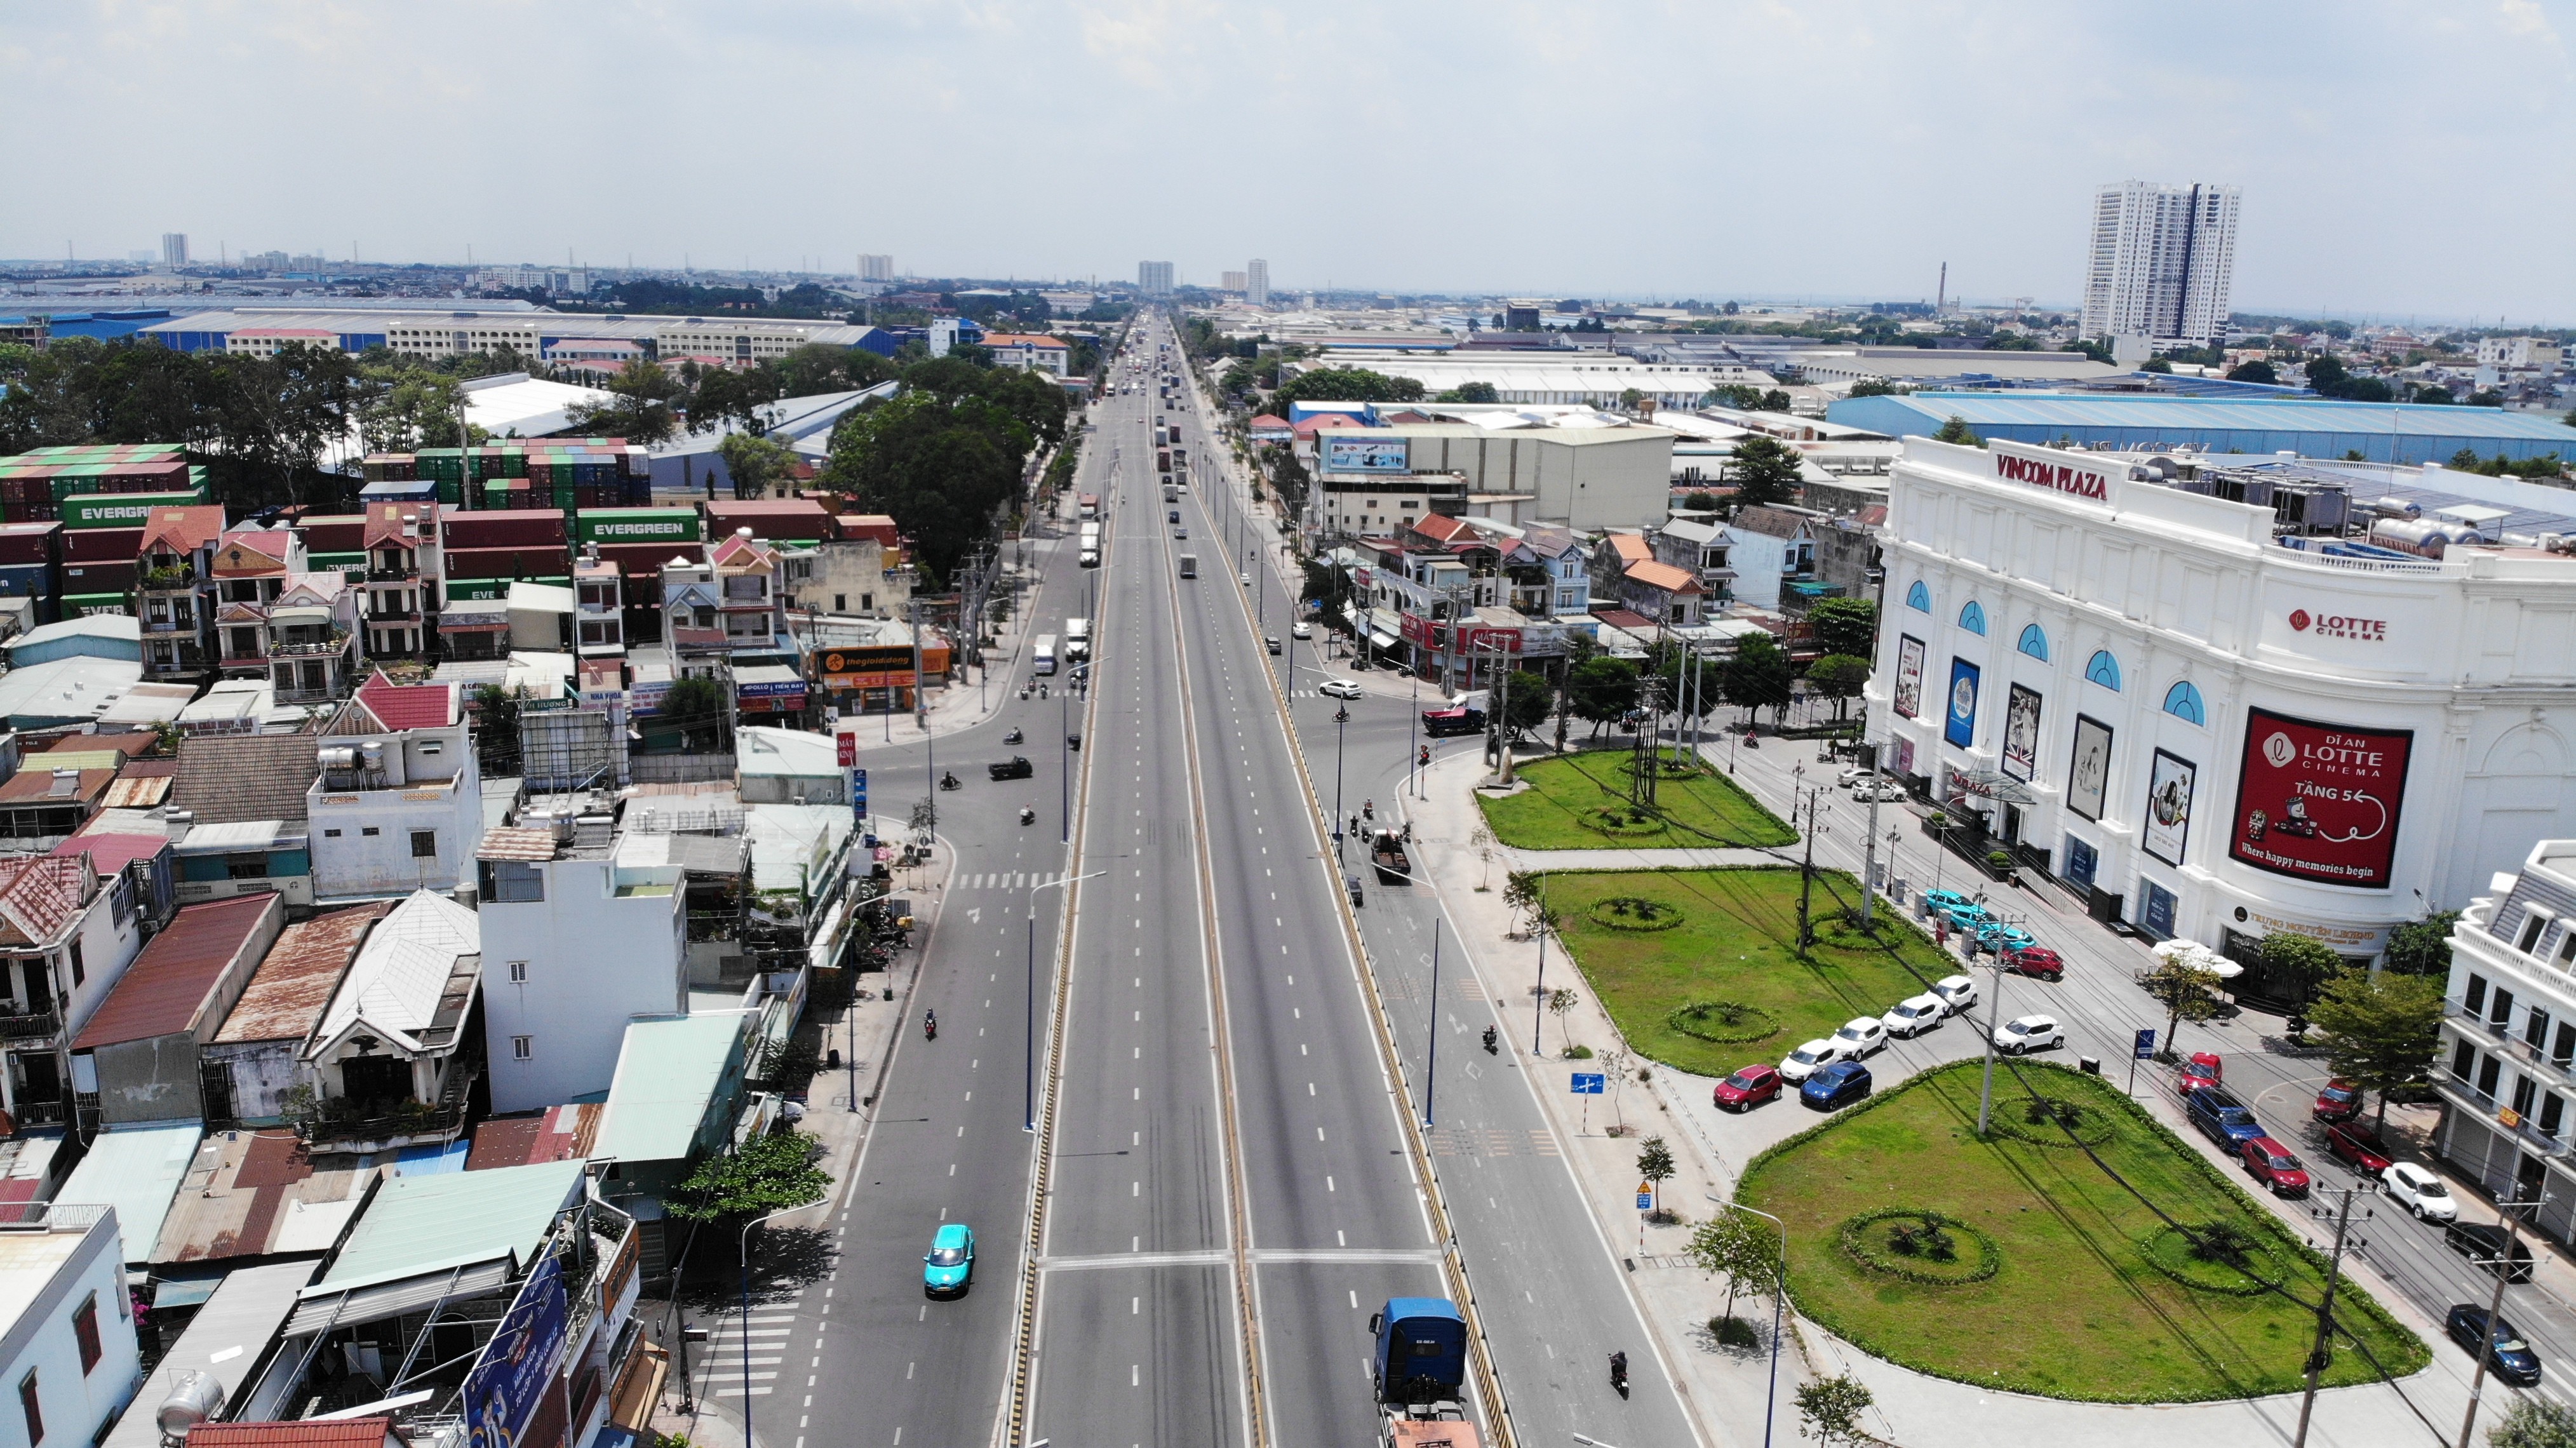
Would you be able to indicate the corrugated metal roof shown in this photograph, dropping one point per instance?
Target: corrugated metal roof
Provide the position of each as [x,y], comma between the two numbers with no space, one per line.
[258,1194]
[401,973]
[39,896]
[558,1133]
[417,1223]
[668,1074]
[110,852]
[225,1339]
[294,984]
[129,792]
[2202,414]
[162,991]
[513,843]
[135,1169]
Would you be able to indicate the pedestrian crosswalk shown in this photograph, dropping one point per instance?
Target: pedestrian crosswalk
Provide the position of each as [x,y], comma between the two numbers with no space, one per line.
[721,1368]
[1007,880]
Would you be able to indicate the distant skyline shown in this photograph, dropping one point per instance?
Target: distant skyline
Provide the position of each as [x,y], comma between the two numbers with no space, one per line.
[2395,160]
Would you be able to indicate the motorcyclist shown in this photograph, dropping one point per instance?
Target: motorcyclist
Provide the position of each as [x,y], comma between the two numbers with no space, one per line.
[1619,1371]
[930,1025]
[1492,1038]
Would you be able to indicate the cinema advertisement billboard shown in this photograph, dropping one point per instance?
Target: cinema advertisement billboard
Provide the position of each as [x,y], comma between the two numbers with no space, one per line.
[2319,802]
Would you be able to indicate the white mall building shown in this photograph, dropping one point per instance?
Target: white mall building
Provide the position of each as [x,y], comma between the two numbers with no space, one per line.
[2207,733]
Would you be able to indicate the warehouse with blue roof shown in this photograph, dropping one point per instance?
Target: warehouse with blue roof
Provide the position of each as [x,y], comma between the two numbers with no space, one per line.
[2311,427]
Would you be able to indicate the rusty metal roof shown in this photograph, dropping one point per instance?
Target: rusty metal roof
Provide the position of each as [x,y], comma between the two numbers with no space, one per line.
[131,792]
[295,983]
[511,843]
[162,991]
[40,896]
[258,1194]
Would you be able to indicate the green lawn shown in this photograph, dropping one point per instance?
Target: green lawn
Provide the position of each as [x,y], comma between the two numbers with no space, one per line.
[1561,809]
[2075,1310]
[1737,942]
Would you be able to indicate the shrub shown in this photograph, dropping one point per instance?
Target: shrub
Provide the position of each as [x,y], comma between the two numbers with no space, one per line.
[1723,1023]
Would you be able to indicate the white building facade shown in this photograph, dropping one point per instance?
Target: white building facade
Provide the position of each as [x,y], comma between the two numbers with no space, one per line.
[69,1348]
[2506,1067]
[398,804]
[2218,736]
[576,943]
[2162,262]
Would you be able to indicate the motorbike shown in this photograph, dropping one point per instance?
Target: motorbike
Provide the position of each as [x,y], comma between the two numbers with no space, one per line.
[1493,1040]
[1752,741]
[1619,1373]
[930,1026]
[1024,691]
[1028,816]
[1011,738]
[948,781]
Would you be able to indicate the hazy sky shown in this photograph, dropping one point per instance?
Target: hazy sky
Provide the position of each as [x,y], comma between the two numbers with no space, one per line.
[2396,158]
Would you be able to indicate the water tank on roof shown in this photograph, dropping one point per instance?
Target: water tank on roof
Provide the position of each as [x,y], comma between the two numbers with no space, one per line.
[194,1398]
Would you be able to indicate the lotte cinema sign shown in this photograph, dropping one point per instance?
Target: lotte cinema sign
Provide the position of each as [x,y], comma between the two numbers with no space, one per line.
[2319,802]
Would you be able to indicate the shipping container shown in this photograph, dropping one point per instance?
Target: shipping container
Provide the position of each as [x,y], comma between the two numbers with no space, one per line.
[645,560]
[333,532]
[98,577]
[504,562]
[120,510]
[29,580]
[421,490]
[638,525]
[334,562]
[388,468]
[526,528]
[102,545]
[79,605]
[29,543]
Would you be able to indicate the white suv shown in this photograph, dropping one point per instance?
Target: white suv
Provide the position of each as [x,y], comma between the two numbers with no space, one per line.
[1861,1036]
[1958,992]
[2421,1192]
[2023,1034]
[1809,1059]
[1914,1015]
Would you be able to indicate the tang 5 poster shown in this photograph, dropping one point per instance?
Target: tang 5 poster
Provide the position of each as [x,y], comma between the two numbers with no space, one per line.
[2319,802]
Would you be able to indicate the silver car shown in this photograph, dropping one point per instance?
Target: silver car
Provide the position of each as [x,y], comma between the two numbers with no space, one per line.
[1958,992]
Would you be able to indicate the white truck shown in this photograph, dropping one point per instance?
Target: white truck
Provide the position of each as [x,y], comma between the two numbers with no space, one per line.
[1077,640]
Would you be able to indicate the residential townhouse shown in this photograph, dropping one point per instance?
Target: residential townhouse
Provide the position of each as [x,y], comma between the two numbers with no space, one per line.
[67,1337]
[1773,551]
[67,935]
[175,589]
[396,803]
[138,1058]
[1700,549]
[2506,1065]
[277,617]
[403,578]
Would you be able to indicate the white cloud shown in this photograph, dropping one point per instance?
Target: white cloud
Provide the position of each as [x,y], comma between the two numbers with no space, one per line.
[1748,150]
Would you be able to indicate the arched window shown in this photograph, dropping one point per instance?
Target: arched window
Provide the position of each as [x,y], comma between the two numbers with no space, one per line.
[1918,597]
[1973,618]
[2034,642]
[2183,702]
[2104,670]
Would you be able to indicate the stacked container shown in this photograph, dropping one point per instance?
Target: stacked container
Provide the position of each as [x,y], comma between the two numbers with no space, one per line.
[31,564]
[34,484]
[99,573]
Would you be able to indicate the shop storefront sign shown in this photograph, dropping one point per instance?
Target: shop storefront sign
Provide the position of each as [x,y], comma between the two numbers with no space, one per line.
[1909,676]
[2319,802]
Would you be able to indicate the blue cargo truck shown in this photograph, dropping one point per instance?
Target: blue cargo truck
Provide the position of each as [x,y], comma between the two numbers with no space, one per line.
[1420,1369]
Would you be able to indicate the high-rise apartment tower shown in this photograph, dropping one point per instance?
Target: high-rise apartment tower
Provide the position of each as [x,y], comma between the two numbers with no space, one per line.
[174,249]
[1154,278]
[2162,261]
[875,268]
[1256,282]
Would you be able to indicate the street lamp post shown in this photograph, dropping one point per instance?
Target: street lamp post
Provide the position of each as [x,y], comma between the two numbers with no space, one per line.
[1341,718]
[1538,1007]
[1029,1065]
[1063,773]
[1994,1022]
[1779,1290]
[742,1251]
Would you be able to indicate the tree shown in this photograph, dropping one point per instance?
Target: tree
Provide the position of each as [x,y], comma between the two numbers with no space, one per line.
[2256,370]
[1775,400]
[2303,958]
[1845,626]
[1521,892]
[2156,364]
[1699,502]
[1531,699]
[1630,397]
[1655,1164]
[2534,1423]
[1601,690]
[2380,1028]
[757,463]
[641,407]
[698,709]
[941,464]
[1560,1004]
[1956,430]
[764,1174]
[1470,392]
[2187,992]
[1873,387]
[1758,676]
[1838,677]
[1764,470]
[1740,1248]
[1831,1409]
[2423,947]
[1343,384]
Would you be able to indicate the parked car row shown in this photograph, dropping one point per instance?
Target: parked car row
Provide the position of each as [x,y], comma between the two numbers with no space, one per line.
[2017,948]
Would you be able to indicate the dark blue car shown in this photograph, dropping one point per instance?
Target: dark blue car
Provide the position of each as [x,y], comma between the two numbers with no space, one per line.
[2222,1118]
[2510,1357]
[1837,1085]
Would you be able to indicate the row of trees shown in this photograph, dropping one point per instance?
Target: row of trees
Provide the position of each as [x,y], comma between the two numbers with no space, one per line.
[947,455]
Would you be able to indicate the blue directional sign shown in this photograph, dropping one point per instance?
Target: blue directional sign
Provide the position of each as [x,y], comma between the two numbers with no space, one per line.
[859,794]
[1646,1199]
[1588,1083]
[2146,1047]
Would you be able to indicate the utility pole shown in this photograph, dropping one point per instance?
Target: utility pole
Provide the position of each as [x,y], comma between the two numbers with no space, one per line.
[2318,1355]
[1869,837]
[1806,871]
[2503,1270]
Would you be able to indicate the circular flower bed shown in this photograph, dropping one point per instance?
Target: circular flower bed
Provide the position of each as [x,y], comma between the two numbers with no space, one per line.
[1723,1023]
[1621,821]
[1633,912]
[2225,1258]
[1665,768]
[2030,1120]
[1922,1246]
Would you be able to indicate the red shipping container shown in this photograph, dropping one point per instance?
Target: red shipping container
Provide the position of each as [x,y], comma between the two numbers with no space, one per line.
[517,528]
[637,560]
[468,563]
[98,577]
[333,532]
[25,543]
[101,545]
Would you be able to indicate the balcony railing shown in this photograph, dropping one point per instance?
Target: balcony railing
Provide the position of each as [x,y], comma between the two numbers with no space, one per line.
[421,1124]
[392,575]
[169,580]
[2528,1136]
[170,626]
[2561,1069]
[306,648]
[33,1026]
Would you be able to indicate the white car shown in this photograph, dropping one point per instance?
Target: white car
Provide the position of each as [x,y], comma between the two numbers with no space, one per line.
[1809,1059]
[1914,1015]
[1852,776]
[1339,689]
[1958,992]
[1301,630]
[2420,1192]
[1861,1036]
[1887,791]
[2023,1034]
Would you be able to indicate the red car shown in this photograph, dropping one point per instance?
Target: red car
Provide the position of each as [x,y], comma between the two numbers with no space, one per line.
[2340,1101]
[1747,1089]
[2355,1142]
[2202,1070]
[2271,1163]
[2038,961]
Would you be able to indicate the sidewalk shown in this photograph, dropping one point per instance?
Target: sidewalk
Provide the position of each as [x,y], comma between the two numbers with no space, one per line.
[1727,1387]
[863,1033]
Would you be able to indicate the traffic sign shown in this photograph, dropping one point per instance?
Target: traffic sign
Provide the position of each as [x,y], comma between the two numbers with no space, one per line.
[2145,1050]
[859,795]
[1645,1196]
[1589,1083]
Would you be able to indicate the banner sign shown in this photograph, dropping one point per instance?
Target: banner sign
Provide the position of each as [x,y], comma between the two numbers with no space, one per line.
[2319,802]
[2169,790]
[859,796]
[2051,469]
[1961,729]
[2088,779]
[518,1364]
[1909,676]
[1366,455]
[2021,732]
